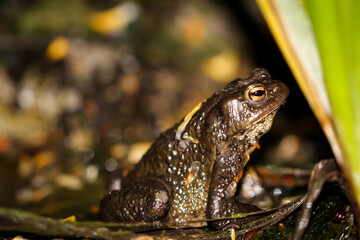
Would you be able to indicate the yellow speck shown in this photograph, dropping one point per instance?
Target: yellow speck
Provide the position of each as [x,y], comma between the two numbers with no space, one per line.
[118,150]
[58,48]
[194,30]
[114,19]
[44,159]
[222,67]
[187,118]
[190,178]
[71,218]
[94,209]
[239,176]
[192,139]
[38,195]
[107,21]
[137,150]
[282,226]
[19,238]
[69,181]
[232,232]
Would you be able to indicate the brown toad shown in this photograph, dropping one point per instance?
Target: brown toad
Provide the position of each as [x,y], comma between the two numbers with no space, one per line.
[192,170]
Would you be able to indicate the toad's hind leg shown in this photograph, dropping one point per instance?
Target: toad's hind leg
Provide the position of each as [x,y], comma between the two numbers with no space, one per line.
[141,202]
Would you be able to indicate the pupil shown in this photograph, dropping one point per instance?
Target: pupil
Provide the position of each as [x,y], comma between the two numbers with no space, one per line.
[258,93]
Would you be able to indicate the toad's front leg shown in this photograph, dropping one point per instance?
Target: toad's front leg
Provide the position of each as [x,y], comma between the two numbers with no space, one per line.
[221,200]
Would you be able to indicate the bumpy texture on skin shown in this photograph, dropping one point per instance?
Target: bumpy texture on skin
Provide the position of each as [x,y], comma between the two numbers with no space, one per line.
[191,170]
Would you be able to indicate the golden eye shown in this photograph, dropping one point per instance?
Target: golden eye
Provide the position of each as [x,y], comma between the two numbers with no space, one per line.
[257,93]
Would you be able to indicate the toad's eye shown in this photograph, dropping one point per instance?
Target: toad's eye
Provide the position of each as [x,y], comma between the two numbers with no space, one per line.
[257,93]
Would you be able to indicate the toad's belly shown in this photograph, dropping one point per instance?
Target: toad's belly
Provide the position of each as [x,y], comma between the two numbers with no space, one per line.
[190,200]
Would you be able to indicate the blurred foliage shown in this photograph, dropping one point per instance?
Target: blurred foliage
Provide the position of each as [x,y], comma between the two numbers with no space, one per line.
[85,85]
[50,17]
[337,35]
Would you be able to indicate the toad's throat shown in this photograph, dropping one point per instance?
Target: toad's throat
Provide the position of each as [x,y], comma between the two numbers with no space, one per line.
[251,135]
[257,128]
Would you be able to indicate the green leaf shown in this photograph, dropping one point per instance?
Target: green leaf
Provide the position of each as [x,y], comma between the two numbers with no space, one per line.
[320,40]
[335,25]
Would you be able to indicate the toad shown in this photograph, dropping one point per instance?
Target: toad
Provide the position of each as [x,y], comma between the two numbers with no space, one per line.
[192,170]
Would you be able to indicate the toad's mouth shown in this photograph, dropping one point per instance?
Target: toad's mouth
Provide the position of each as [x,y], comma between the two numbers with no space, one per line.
[271,112]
